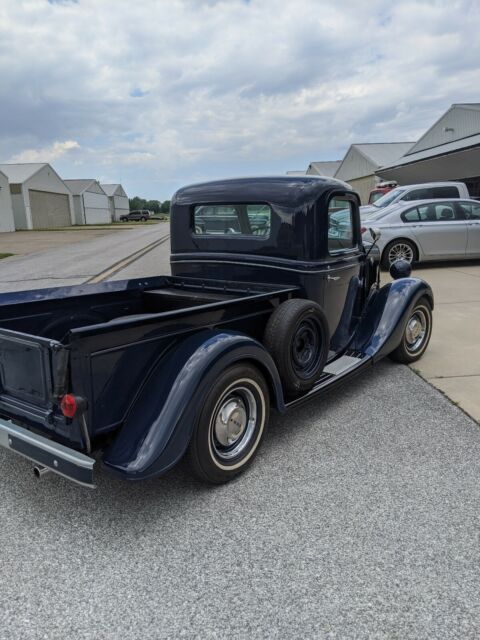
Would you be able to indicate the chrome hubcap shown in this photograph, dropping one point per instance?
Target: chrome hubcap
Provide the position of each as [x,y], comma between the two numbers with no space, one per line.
[400,251]
[416,331]
[234,422]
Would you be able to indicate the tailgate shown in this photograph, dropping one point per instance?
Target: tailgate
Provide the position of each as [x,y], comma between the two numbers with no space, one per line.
[32,374]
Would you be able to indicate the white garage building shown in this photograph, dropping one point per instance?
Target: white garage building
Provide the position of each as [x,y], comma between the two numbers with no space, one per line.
[6,210]
[118,200]
[90,202]
[361,161]
[40,198]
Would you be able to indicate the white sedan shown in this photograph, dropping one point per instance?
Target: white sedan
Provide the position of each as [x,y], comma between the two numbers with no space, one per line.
[426,230]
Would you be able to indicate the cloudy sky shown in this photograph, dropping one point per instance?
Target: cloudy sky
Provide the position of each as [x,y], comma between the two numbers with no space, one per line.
[160,93]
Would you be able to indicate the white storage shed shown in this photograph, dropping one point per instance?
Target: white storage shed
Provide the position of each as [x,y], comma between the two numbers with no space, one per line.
[118,200]
[6,210]
[90,202]
[40,198]
[362,160]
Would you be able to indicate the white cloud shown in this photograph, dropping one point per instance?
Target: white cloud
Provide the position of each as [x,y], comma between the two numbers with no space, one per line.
[46,154]
[157,93]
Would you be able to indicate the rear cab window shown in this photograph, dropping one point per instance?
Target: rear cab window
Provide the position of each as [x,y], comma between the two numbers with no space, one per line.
[251,220]
[341,231]
[430,193]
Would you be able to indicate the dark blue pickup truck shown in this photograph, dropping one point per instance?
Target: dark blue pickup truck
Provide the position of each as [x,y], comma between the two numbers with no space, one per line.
[273,300]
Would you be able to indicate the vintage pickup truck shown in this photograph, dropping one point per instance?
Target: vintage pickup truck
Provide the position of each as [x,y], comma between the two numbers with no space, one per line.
[273,300]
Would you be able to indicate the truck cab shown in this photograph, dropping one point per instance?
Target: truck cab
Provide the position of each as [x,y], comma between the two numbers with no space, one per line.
[301,231]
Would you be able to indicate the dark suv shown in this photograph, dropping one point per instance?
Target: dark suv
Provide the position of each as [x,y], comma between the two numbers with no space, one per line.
[142,215]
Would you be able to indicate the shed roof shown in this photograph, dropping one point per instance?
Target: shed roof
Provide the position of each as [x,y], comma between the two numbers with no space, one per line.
[364,159]
[459,122]
[324,168]
[111,189]
[18,173]
[80,185]
[382,153]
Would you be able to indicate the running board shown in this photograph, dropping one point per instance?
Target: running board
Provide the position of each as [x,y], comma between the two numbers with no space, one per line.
[334,374]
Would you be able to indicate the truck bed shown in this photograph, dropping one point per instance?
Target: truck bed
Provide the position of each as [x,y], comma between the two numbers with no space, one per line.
[101,341]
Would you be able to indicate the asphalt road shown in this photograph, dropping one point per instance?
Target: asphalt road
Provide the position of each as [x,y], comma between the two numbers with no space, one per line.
[359,519]
[74,263]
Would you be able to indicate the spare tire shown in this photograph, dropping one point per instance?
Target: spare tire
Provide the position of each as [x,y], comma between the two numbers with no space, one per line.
[298,339]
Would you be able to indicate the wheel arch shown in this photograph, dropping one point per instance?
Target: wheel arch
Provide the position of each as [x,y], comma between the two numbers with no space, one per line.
[157,430]
[399,239]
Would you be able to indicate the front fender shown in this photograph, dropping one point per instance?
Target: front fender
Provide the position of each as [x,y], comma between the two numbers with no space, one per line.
[158,428]
[381,329]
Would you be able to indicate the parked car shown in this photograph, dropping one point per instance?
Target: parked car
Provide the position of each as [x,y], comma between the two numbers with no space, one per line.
[426,191]
[141,215]
[428,230]
[139,372]
[380,190]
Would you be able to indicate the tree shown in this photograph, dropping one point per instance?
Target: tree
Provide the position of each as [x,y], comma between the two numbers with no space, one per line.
[153,205]
[165,208]
[137,203]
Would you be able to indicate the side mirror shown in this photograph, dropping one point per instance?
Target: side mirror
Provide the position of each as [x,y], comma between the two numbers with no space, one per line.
[375,233]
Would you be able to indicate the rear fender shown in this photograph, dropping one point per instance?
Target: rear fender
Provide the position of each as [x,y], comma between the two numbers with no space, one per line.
[158,428]
[381,329]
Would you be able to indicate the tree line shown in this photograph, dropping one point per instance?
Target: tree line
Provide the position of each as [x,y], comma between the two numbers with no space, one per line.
[155,206]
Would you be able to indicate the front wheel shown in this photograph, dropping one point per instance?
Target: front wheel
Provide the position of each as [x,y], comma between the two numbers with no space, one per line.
[231,425]
[416,334]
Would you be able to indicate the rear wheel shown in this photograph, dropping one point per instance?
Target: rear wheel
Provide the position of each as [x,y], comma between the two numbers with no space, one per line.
[143,219]
[401,249]
[231,425]
[416,335]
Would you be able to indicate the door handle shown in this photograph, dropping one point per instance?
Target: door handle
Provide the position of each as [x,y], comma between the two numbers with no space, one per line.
[329,277]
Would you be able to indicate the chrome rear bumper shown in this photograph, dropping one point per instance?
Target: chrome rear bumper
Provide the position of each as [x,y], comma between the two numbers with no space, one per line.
[66,462]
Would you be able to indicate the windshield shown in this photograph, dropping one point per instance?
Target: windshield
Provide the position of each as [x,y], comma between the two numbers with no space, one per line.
[375,195]
[389,197]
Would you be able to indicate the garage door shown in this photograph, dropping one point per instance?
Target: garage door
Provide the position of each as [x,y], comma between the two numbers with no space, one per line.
[49,209]
[96,208]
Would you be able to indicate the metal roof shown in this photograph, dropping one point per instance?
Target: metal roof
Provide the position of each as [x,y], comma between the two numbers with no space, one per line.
[18,173]
[440,150]
[381,153]
[324,168]
[110,189]
[364,159]
[460,121]
[80,185]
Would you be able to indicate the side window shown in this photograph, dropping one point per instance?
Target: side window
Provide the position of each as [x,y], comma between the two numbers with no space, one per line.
[418,194]
[441,212]
[341,236]
[411,215]
[232,219]
[445,192]
[469,211]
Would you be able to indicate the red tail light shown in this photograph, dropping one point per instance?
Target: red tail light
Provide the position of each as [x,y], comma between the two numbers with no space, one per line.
[363,229]
[68,405]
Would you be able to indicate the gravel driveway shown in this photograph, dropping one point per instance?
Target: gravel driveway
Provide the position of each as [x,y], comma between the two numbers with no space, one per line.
[360,519]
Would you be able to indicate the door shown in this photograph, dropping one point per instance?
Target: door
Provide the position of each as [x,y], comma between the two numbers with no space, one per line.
[49,209]
[342,282]
[471,212]
[440,231]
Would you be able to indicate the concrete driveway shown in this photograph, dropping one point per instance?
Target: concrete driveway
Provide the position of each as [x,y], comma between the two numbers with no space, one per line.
[359,519]
[452,360]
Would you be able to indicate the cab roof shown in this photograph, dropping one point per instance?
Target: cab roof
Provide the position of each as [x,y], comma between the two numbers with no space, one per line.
[291,191]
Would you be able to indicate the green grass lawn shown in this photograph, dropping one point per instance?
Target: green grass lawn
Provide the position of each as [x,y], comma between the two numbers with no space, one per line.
[6,255]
